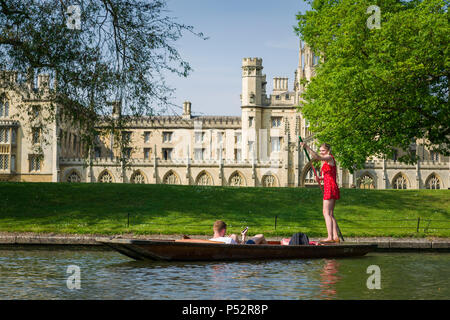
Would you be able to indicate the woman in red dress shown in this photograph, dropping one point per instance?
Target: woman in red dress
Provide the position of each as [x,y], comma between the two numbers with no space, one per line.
[331,189]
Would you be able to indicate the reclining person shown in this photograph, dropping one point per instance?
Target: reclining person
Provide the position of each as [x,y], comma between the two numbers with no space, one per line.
[220,229]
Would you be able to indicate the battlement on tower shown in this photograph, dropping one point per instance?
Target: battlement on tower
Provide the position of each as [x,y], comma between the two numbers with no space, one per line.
[254,62]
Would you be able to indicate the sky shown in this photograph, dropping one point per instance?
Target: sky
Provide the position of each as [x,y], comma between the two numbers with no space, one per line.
[236,29]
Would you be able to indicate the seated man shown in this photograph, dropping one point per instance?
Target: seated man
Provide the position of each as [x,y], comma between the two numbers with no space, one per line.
[220,229]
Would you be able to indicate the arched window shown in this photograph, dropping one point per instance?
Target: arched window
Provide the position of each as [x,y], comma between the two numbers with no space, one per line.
[4,107]
[171,178]
[366,182]
[73,177]
[309,177]
[105,177]
[269,181]
[433,182]
[400,182]
[204,179]
[236,180]
[138,177]
[316,59]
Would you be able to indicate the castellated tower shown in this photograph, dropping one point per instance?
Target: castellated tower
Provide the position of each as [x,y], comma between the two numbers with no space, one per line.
[253,82]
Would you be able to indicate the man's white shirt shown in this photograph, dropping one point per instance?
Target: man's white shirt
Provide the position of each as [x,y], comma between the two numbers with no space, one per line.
[226,240]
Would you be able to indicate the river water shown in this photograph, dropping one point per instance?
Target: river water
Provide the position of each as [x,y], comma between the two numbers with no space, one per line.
[43,274]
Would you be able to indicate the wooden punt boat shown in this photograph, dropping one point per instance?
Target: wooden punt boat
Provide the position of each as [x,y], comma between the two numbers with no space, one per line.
[205,250]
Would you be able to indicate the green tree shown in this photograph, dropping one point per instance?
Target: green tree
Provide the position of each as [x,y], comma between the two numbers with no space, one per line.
[377,89]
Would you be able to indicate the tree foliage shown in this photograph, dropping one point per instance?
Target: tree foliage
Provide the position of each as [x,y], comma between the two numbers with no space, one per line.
[378,88]
[120,51]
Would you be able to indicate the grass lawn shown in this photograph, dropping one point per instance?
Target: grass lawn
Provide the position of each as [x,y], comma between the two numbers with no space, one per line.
[84,208]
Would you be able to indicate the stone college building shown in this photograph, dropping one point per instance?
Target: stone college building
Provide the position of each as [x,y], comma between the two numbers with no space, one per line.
[260,148]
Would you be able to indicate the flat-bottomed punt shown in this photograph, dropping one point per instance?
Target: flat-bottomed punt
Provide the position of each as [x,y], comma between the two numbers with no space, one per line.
[205,250]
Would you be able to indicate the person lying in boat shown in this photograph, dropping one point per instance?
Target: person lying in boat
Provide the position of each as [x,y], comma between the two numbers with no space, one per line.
[220,229]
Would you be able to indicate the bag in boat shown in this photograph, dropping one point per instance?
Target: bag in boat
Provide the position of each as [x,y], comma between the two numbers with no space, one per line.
[299,238]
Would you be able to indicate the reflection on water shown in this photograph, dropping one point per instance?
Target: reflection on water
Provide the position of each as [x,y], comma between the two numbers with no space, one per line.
[42,274]
[329,277]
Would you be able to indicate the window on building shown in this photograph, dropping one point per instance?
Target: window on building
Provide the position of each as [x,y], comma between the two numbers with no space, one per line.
[97,152]
[167,136]
[251,145]
[237,154]
[220,137]
[316,59]
[277,97]
[276,122]
[236,180]
[400,182]
[73,177]
[4,135]
[237,138]
[4,163]
[309,177]
[13,162]
[167,153]
[269,181]
[204,180]
[138,178]
[307,133]
[147,136]
[199,137]
[126,136]
[250,122]
[366,182]
[36,135]
[13,136]
[199,153]
[287,97]
[105,177]
[171,178]
[218,151]
[4,107]
[276,144]
[127,153]
[147,153]
[35,162]
[433,182]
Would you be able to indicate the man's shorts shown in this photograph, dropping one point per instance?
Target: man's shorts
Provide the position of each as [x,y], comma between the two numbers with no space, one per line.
[250,242]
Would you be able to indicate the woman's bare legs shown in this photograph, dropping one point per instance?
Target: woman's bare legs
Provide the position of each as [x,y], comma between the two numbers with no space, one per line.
[330,221]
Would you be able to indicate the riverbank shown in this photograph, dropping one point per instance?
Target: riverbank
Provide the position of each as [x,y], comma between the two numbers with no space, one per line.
[9,239]
[109,209]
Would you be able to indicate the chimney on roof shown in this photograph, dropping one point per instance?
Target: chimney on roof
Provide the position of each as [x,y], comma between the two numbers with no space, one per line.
[8,77]
[186,110]
[30,78]
[116,109]
[43,81]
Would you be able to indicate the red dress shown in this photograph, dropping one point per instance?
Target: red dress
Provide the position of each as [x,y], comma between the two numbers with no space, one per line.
[331,189]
